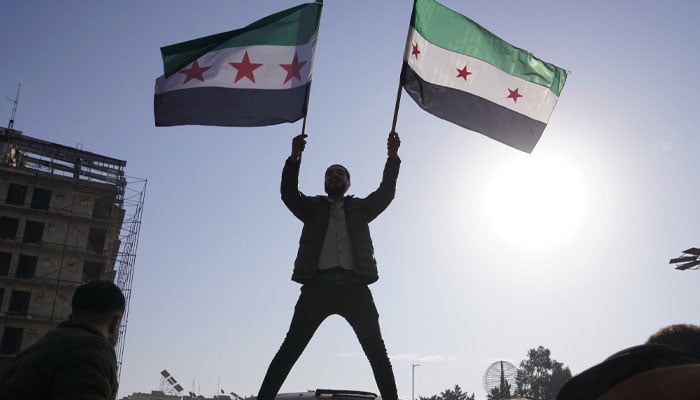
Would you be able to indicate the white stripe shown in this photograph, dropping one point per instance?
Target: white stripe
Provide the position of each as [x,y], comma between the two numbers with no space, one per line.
[270,75]
[439,66]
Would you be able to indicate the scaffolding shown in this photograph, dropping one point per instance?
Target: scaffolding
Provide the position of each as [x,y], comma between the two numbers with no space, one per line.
[92,216]
[135,191]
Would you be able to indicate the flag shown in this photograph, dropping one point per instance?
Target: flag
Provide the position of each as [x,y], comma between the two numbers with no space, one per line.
[253,76]
[458,71]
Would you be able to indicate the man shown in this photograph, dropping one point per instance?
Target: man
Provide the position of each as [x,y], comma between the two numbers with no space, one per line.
[76,360]
[335,263]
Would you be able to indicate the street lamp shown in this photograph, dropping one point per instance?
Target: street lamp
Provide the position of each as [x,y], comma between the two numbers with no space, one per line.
[413,380]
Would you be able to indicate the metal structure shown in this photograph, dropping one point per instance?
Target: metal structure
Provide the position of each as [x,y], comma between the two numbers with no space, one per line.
[15,102]
[689,260]
[134,194]
[500,375]
[169,385]
[67,216]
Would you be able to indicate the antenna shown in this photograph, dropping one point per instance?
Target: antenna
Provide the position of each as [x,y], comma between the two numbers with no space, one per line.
[11,124]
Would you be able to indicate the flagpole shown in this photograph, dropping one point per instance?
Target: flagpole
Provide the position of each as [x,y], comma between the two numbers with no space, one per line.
[396,108]
[398,92]
[306,107]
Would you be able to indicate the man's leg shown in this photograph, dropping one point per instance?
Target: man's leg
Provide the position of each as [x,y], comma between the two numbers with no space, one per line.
[308,315]
[359,310]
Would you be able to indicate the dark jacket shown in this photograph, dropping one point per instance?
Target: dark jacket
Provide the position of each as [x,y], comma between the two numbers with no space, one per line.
[314,212]
[74,361]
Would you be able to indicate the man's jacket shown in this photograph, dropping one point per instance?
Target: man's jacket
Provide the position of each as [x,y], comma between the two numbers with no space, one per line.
[314,212]
[74,361]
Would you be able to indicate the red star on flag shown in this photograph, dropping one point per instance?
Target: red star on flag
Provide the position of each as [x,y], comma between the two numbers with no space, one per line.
[463,73]
[415,50]
[245,68]
[514,95]
[293,69]
[194,72]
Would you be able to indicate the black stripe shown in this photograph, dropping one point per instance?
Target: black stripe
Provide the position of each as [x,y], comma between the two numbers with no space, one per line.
[229,107]
[473,112]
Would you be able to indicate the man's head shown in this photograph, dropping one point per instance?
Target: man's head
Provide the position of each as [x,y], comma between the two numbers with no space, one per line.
[100,304]
[337,180]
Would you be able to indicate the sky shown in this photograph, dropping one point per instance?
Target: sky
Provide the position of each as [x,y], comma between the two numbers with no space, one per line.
[485,253]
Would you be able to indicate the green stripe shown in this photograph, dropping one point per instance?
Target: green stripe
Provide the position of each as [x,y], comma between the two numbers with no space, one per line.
[455,32]
[291,27]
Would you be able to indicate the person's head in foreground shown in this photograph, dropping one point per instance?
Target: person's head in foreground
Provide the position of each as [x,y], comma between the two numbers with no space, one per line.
[667,366]
[99,304]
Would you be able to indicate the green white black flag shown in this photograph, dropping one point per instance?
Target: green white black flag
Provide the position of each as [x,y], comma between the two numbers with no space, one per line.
[253,76]
[459,71]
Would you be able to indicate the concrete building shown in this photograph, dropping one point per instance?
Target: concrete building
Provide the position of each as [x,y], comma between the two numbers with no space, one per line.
[161,395]
[62,216]
[155,395]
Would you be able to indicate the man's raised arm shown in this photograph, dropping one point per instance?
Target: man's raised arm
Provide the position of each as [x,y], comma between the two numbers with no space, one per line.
[392,145]
[298,146]
[380,199]
[289,187]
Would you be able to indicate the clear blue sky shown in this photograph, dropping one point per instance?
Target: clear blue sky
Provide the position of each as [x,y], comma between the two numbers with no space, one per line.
[458,287]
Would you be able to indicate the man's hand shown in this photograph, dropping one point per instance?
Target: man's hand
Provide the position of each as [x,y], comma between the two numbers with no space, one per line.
[392,145]
[298,145]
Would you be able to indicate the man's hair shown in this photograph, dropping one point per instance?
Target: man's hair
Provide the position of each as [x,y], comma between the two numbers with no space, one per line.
[682,336]
[98,298]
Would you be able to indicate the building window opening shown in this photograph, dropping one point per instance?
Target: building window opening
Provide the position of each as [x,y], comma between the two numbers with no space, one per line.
[11,340]
[96,240]
[16,194]
[92,270]
[8,228]
[26,267]
[5,259]
[41,199]
[103,207]
[33,232]
[19,303]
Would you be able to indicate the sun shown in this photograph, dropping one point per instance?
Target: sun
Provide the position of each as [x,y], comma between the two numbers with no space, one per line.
[536,202]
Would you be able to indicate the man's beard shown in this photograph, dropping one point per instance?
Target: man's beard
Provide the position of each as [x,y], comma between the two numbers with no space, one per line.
[333,190]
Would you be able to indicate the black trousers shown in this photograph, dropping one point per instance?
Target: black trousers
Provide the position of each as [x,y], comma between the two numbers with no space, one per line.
[318,300]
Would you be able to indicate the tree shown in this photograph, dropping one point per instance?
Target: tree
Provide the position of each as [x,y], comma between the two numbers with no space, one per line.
[500,392]
[540,377]
[456,394]
[560,375]
[450,394]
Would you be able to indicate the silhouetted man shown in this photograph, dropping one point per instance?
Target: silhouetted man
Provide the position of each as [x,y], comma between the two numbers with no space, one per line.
[335,263]
[76,360]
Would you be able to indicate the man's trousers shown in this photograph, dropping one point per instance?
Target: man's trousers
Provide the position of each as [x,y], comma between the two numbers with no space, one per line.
[318,300]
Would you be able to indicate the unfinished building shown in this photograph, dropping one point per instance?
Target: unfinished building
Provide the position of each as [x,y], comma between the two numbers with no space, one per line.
[67,216]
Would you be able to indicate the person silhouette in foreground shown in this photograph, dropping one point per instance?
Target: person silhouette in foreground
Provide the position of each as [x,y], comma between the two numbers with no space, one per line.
[335,263]
[667,366]
[77,359]
[682,336]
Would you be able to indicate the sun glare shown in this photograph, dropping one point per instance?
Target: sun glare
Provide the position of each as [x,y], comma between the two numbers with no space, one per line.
[536,202]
